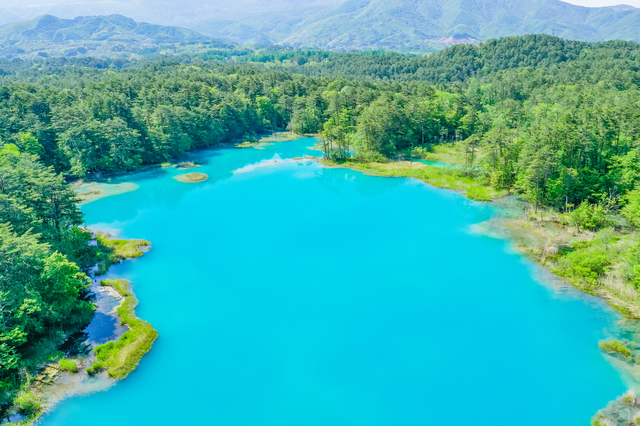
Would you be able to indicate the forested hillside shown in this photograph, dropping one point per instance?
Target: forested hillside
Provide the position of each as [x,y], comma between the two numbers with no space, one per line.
[567,59]
[557,122]
[423,25]
[89,120]
[43,291]
[99,36]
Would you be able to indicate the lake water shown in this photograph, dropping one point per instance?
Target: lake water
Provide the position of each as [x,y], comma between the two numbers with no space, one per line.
[286,293]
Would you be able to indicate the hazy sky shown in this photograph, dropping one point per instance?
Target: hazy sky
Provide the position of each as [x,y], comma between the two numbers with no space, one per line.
[594,3]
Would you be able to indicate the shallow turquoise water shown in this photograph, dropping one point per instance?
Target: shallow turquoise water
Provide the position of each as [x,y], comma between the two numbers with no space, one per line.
[290,294]
[438,164]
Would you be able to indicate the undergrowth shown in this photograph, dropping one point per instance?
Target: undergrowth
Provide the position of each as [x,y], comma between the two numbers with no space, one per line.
[68,365]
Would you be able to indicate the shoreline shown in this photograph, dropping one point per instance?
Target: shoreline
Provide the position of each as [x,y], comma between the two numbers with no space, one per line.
[98,178]
[53,383]
[99,185]
[121,357]
[445,178]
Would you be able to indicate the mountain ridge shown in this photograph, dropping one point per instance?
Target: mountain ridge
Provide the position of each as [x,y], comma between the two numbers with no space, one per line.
[99,36]
[53,29]
[343,25]
[421,23]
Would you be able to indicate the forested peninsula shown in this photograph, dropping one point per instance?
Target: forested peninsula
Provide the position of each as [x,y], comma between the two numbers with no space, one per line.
[554,121]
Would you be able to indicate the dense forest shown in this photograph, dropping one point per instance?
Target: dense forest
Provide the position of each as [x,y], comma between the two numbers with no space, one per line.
[42,254]
[542,115]
[555,121]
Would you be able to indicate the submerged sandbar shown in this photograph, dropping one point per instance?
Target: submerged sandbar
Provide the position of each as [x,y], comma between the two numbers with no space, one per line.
[89,192]
[192,177]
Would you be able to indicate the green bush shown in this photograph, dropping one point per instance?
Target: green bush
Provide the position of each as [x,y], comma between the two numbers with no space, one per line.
[501,180]
[96,367]
[421,152]
[616,347]
[28,404]
[631,263]
[585,264]
[590,216]
[68,365]
[632,210]
[366,156]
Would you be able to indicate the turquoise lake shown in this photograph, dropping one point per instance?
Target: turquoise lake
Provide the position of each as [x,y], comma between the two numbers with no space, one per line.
[286,293]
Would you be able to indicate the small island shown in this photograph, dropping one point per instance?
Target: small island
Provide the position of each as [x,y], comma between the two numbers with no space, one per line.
[192,177]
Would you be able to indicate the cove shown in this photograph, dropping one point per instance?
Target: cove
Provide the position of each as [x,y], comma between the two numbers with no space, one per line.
[286,293]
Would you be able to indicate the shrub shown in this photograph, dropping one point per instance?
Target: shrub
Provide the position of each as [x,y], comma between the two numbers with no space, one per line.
[367,156]
[590,216]
[96,367]
[616,347]
[586,264]
[501,180]
[421,152]
[27,403]
[631,264]
[632,210]
[68,365]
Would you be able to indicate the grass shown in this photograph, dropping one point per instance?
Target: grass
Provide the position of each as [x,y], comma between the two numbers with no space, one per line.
[447,178]
[246,144]
[601,264]
[446,153]
[280,137]
[122,357]
[192,177]
[616,347]
[68,365]
[114,251]
[96,367]
[27,403]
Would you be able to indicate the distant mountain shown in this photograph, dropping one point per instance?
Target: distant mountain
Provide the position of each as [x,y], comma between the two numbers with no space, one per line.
[420,24]
[172,12]
[621,7]
[100,36]
[50,29]
[408,25]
